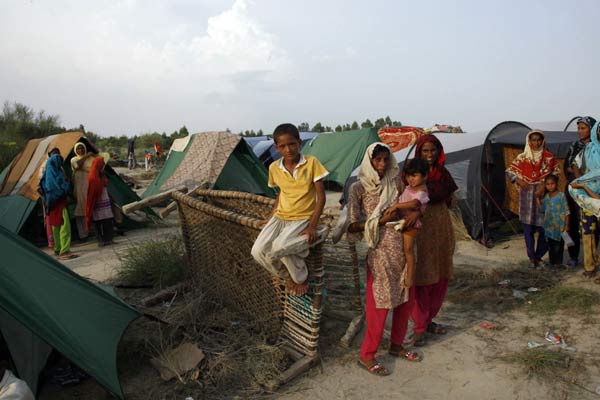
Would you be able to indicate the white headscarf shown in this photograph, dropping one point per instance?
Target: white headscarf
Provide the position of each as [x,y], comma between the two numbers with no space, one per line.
[384,187]
[534,155]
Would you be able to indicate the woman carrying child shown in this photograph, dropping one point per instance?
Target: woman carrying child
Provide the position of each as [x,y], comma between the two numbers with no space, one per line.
[370,205]
[97,206]
[528,171]
[414,197]
[435,241]
[586,193]
[556,220]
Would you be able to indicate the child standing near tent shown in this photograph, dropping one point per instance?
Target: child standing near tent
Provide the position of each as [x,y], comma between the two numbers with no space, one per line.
[97,206]
[297,210]
[528,171]
[414,197]
[556,220]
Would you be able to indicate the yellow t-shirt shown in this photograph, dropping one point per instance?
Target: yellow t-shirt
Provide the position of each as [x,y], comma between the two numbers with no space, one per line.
[297,192]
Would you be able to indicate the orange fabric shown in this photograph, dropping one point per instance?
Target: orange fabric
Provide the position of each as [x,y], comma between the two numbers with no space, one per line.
[399,137]
[18,166]
[96,182]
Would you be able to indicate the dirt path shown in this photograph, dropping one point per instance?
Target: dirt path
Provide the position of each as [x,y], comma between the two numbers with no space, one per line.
[460,365]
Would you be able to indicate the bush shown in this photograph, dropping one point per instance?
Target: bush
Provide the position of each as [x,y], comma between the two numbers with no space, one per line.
[159,263]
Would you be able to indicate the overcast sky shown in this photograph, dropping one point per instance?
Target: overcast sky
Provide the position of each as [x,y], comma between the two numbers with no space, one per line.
[128,67]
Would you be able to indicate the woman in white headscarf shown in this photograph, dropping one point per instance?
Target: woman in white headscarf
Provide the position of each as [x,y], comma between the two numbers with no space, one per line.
[378,188]
[80,165]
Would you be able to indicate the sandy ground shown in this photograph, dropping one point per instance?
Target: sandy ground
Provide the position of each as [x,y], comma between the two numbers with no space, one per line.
[459,365]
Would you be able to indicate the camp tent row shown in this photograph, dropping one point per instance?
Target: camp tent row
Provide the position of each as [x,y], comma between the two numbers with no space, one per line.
[220,160]
[477,162]
[19,198]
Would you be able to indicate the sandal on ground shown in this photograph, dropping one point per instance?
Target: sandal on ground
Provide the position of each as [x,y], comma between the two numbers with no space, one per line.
[375,369]
[420,340]
[68,256]
[436,329]
[597,281]
[589,274]
[406,354]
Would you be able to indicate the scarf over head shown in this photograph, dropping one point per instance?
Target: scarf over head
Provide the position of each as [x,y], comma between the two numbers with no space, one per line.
[533,166]
[384,187]
[77,145]
[55,184]
[440,184]
[96,184]
[592,150]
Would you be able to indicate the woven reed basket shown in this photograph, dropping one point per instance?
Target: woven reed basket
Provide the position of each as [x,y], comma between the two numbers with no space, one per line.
[219,229]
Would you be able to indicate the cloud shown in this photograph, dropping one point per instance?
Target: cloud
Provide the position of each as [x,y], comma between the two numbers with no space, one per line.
[133,48]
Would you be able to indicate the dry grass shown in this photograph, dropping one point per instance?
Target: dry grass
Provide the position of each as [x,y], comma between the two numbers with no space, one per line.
[480,290]
[159,263]
[564,371]
[541,362]
[240,360]
[574,300]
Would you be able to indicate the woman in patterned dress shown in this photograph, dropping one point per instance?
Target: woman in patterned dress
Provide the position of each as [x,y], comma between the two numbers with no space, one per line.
[528,170]
[378,188]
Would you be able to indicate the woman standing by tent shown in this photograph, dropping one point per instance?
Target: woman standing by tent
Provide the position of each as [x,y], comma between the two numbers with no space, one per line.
[80,165]
[56,188]
[377,188]
[528,171]
[574,169]
[584,191]
[97,206]
[435,241]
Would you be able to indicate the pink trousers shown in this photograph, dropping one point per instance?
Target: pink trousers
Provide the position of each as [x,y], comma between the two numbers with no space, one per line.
[427,304]
[375,318]
[49,234]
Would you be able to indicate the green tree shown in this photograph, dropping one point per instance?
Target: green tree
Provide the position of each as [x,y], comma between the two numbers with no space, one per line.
[339,128]
[318,128]
[303,127]
[367,124]
[354,126]
[260,133]
[388,121]
[379,123]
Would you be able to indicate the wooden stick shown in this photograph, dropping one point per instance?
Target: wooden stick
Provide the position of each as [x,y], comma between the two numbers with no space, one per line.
[353,329]
[167,210]
[165,294]
[297,368]
[149,201]
[173,205]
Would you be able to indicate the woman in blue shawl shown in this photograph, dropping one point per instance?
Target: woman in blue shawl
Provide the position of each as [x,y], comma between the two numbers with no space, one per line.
[56,188]
[586,193]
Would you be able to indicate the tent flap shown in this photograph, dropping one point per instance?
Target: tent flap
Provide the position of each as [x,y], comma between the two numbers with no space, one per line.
[77,318]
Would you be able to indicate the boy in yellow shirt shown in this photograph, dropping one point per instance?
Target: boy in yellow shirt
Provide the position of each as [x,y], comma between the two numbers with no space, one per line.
[297,210]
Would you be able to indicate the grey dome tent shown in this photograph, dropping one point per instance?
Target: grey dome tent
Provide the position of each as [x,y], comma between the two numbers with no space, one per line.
[477,162]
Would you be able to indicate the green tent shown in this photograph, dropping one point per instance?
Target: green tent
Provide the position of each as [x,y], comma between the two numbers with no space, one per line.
[220,160]
[45,306]
[341,152]
[174,158]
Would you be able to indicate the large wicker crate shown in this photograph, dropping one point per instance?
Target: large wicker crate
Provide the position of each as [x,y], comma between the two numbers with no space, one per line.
[219,229]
